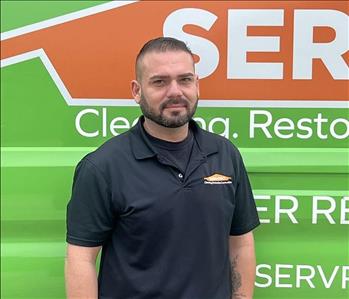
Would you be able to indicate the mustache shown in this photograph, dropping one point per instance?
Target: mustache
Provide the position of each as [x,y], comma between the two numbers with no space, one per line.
[172,101]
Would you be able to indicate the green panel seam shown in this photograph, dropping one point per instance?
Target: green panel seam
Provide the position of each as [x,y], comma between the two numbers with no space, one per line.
[276,160]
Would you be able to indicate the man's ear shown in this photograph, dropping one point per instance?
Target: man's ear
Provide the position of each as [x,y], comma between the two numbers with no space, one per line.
[136,90]
[198,85]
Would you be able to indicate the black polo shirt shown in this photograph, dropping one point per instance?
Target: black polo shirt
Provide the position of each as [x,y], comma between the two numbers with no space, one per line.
[164,233]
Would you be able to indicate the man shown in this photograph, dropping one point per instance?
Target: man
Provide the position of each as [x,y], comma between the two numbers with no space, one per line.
[169,204]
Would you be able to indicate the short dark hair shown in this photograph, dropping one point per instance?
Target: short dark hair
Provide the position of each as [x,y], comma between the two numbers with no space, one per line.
[160,44]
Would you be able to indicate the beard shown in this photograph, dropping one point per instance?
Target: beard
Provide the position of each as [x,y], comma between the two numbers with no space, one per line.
[176,118]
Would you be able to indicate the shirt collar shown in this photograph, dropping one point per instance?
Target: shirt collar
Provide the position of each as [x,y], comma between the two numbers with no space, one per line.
[142,147]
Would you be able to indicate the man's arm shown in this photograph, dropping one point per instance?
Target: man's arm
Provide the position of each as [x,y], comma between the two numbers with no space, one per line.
[80,272]
[243,265]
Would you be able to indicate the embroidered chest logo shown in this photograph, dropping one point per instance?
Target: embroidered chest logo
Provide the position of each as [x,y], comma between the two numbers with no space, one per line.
[217,179]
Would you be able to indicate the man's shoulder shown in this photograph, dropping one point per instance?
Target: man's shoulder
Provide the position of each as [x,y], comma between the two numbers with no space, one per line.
[113,150]
[225,150]
[221,142]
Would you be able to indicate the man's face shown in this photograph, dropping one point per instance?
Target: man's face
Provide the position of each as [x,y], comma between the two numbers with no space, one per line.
[167,90]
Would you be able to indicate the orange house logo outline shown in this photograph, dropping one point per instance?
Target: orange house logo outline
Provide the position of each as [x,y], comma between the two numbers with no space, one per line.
[54,42]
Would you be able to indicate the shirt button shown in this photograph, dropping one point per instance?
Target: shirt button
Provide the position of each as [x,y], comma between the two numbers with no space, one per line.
[180,176]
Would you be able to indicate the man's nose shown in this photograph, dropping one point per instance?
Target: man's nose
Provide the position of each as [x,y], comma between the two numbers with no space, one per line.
[174,90]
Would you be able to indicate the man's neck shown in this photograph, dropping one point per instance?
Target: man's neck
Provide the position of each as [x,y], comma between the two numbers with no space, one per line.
[164,133]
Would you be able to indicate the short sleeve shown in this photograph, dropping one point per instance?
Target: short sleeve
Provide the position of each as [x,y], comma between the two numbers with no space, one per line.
[90,216]
[245,216]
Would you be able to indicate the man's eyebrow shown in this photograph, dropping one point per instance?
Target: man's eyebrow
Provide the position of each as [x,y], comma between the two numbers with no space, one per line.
[186,75]
[155,77]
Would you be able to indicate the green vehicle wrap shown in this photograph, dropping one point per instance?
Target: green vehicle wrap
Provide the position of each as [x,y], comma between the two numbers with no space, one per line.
[300,177]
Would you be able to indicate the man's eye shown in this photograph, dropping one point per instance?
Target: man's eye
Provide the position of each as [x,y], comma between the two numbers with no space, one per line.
[159,82]
[187,79]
